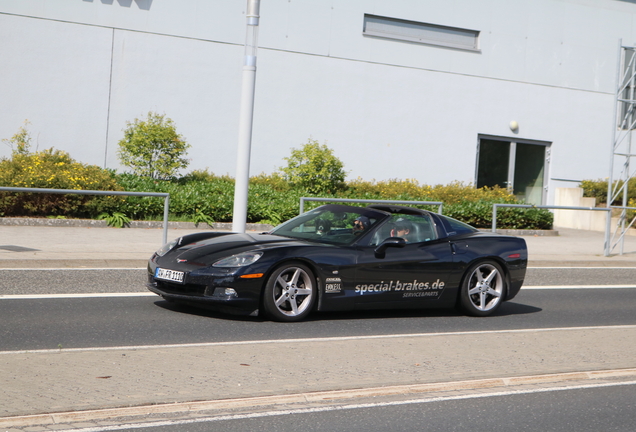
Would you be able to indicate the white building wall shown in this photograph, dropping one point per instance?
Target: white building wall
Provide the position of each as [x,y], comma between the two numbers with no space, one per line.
[78,70]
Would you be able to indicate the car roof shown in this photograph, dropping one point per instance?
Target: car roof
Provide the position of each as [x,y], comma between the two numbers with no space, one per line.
[396,209]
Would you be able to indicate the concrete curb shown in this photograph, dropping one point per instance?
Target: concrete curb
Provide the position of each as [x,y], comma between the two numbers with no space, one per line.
[74,263]
[524,232]
[91,223]
[303,398]
[601,262]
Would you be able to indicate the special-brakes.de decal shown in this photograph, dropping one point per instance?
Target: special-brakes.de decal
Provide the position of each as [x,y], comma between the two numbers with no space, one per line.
[409,289]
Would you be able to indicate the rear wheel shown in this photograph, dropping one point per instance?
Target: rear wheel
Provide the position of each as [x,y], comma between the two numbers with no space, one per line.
[290,293]
[482,289]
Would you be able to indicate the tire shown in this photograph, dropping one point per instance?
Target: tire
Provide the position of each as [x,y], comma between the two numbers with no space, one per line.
[483,289]
[290,293]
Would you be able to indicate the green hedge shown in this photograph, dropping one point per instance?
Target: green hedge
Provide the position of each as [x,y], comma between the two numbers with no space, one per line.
[271,199]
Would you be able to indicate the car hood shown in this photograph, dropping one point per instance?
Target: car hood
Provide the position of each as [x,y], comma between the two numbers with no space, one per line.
[204,251]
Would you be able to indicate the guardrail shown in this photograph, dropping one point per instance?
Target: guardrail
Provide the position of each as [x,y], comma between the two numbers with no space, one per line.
[165,196]
[303,199]
[605,209]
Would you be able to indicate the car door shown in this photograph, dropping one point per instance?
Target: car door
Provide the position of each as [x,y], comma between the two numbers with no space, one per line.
[411,274]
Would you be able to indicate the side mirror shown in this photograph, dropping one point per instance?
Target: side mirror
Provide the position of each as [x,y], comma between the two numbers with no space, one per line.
[398,242]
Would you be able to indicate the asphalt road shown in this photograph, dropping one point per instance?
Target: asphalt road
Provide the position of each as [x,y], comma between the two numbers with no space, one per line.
[74,281]
[50,323]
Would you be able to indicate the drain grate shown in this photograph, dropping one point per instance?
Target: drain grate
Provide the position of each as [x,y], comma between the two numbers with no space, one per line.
[13,248]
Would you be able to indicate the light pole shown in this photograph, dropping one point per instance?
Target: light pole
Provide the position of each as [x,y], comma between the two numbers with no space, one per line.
[241,185]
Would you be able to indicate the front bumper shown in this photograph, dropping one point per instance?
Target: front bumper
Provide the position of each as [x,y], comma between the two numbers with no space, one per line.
[245,302]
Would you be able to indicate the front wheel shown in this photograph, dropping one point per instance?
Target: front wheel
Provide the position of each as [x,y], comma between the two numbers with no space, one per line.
[290,293]
[482,289]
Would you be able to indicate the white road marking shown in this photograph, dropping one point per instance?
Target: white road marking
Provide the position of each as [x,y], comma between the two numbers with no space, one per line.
[558,287]
[151,294]
[583,268]
[323,339]
[79,295]
[73,269]
[144,268]
[344,407]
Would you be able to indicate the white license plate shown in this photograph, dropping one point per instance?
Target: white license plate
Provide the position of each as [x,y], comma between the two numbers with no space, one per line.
[170,275]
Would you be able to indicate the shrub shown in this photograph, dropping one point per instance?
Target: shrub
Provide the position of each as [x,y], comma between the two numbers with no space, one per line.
[51,169]
[153,148]
[275,181]
[598,190]
[314,168]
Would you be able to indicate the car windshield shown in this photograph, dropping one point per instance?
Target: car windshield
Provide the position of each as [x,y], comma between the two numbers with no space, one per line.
[330,224]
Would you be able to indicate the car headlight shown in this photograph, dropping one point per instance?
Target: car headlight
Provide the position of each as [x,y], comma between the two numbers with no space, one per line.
[168,247]
[239,260]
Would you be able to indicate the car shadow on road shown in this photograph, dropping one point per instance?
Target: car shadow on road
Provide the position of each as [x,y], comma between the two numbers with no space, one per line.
[197,310]
[506,309]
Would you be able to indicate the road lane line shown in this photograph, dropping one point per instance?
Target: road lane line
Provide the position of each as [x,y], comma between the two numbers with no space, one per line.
[72,269]
[323,339]
[150,294]
[145,268]
[565,287]
[581,268]
[78,295]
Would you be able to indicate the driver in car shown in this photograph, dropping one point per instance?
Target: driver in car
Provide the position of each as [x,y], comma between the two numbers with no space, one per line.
[402,229]
[360,225]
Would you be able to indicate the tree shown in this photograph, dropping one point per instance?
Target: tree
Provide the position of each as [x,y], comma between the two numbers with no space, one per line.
[315,168]
[20,143]
[153,148]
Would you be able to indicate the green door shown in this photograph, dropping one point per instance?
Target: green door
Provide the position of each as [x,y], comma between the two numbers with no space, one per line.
[517,166]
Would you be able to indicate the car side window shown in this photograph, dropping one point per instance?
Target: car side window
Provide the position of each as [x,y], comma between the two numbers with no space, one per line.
[455,227]
[412,228]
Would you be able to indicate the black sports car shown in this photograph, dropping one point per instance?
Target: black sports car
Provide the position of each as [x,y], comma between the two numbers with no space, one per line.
[337,258]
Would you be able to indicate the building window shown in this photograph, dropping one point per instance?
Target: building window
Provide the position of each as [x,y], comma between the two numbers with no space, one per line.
[412,31]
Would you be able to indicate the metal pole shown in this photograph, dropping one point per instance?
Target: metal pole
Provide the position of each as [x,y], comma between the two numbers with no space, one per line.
[241,186]
[632,73]
[608,228]
[610,178]
[166,207]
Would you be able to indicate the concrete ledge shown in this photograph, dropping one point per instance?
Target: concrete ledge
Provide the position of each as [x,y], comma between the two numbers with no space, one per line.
[524,232]
[91,223]
[73,263]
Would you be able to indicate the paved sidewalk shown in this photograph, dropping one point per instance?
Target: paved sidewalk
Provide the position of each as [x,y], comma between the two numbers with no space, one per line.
[84,379]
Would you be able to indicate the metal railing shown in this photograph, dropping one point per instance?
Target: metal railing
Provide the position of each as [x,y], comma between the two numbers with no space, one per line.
[165,196]
[605,209]
[345,200]
[624,229]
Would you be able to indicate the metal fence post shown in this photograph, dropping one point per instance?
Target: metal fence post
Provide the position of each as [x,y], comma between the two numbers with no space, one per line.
[166,206]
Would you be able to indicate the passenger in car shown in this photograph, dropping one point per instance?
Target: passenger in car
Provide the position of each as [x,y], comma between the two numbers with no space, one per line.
[360,224]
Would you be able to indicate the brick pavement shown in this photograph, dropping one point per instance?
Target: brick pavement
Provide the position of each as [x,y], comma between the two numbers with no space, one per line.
[83,379]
